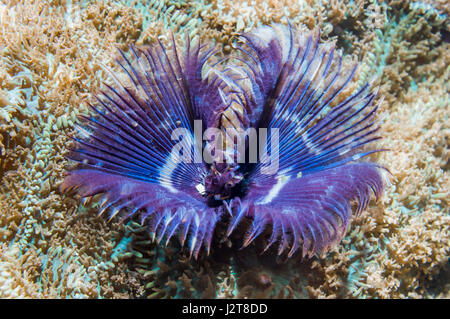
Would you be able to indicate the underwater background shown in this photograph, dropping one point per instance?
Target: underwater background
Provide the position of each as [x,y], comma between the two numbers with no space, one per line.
[53,246]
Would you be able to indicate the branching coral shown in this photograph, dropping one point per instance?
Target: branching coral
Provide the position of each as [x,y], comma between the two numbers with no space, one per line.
[414,39]
[46,65]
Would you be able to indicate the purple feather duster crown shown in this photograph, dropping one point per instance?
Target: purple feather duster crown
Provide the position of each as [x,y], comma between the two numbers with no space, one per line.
[159,148]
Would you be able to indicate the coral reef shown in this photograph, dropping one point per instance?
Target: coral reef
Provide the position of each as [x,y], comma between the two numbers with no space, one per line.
[51,60]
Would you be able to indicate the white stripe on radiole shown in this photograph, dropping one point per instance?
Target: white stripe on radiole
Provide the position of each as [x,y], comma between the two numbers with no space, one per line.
[282,179]
[165,176]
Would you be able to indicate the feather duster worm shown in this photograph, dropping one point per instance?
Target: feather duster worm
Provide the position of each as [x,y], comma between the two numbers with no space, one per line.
[281,80]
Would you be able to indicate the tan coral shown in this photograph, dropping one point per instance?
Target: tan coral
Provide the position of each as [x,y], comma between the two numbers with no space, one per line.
[51,57]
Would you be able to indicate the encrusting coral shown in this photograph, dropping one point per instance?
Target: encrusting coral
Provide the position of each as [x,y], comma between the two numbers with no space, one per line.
[51,57]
